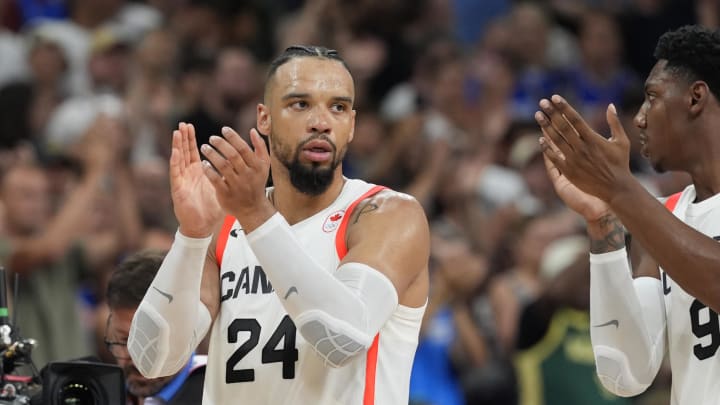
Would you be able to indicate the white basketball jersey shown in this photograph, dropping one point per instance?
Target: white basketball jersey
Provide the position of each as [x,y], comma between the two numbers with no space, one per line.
[256,354]
[693,328]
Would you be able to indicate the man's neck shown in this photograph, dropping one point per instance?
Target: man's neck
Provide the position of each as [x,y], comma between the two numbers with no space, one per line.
[705,169]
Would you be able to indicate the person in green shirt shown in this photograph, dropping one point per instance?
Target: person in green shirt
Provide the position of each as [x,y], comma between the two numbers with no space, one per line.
[554,360]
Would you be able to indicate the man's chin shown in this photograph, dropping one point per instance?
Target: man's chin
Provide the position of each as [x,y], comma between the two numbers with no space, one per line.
[658,167]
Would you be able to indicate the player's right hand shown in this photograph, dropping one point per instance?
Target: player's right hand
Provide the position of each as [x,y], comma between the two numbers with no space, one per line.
[196,207]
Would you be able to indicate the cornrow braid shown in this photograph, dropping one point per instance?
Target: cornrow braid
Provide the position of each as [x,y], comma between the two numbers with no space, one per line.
[300,51]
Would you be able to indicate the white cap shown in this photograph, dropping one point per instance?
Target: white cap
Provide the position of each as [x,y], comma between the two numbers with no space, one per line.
[561,253]
[73,117]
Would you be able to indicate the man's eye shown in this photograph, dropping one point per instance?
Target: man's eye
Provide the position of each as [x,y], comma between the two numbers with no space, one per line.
[338,107]
[299,104]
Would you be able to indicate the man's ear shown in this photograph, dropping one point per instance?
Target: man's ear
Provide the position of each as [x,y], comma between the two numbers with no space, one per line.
[352,126]
[264,122]
[699,94]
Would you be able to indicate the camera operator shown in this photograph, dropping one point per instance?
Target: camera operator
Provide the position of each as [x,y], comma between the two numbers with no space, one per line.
[126,289]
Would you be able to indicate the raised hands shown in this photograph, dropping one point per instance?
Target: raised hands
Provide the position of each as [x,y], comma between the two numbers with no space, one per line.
[196,206]
[239,175]
[596,165]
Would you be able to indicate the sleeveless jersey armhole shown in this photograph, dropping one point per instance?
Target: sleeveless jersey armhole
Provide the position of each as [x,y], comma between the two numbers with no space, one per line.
[672,201]
[340,241]
[341,248]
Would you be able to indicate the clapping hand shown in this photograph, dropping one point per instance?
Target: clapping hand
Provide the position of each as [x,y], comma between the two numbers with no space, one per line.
[596,165]
[585,167]
[195,204]
[239,176]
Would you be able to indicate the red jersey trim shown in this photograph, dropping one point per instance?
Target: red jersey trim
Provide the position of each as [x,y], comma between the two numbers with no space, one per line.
[340,241]
[223,238]
[672,201]
[341,248]
[370,371]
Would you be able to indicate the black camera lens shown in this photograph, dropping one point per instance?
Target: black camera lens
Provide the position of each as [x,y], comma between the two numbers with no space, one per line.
[82,383]
[77,393]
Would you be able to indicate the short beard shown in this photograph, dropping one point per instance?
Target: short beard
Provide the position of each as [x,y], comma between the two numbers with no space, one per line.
[312,180]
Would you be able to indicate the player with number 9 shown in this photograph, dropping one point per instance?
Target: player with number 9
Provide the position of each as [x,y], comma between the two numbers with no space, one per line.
[670,305]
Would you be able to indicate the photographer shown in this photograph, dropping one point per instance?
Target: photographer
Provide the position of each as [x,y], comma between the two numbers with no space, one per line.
[125,290]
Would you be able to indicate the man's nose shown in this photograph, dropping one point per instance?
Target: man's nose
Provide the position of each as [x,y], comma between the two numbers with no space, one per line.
[640,118]
[319,120]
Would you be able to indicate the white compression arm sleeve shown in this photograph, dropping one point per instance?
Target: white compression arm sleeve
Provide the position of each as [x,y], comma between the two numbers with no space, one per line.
[339,312]
[171,308]
[628,324]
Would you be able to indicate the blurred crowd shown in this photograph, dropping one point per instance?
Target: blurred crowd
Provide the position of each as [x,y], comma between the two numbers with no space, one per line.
[90,91]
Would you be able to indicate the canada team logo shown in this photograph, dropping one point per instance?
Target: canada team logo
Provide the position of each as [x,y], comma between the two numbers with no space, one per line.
[333,221]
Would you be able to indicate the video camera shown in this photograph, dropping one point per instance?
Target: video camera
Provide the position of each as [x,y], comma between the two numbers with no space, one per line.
[78,382]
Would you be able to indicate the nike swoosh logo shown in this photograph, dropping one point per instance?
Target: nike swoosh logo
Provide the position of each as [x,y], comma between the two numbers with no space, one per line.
[613,322]
[290,291]
[164,294]
[234,232]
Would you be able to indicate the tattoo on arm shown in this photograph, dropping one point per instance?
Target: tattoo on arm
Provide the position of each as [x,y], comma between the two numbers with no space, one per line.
[609,236]
[369,207]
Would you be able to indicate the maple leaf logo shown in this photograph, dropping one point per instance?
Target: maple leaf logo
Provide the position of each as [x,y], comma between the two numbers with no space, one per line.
[332,221]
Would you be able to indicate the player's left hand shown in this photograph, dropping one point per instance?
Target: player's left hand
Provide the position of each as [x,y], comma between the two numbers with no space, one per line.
[596,165]
[239,176]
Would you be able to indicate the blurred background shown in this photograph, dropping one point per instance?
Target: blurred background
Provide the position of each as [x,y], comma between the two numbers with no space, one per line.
[90,91]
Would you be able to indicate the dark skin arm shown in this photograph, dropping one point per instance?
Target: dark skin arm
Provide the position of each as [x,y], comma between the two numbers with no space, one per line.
[599,167]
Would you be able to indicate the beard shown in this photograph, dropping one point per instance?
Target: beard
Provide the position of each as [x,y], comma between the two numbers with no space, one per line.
[311,179]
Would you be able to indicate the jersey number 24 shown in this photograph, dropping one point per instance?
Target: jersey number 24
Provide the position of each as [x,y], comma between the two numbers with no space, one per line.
[287,355]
